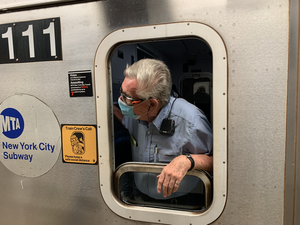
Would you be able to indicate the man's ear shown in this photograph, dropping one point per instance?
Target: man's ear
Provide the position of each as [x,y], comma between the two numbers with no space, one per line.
[154,103]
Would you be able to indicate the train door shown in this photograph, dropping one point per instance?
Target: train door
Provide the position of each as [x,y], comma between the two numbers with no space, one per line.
[125,47]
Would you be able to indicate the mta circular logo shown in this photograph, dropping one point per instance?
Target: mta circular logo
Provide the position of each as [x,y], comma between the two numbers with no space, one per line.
[12,123]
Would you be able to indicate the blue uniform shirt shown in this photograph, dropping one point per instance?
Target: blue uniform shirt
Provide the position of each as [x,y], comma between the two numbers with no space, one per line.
[193,134]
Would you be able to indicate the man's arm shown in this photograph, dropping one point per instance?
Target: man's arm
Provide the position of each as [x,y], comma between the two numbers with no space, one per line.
[203,162]
[173,173]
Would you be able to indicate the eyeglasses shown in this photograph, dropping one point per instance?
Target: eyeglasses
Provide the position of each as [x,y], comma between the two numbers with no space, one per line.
[128,100]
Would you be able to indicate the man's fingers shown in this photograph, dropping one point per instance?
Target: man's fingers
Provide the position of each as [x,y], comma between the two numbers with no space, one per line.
[176,186]
[160,182]
[171,187]
[166,186]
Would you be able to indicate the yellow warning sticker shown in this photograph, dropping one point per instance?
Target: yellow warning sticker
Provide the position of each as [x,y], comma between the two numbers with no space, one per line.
[79,144]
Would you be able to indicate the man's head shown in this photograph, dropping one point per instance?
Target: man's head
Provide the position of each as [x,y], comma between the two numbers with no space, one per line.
[153,79]
[146,88]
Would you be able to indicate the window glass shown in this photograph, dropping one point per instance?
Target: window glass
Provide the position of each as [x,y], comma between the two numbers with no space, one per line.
[134,191]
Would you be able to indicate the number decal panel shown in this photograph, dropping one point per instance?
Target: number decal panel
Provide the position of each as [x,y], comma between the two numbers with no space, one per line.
[30,41]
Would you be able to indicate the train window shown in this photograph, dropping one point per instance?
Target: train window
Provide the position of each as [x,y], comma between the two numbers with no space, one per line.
[196,57]
[139,187]
[130,186]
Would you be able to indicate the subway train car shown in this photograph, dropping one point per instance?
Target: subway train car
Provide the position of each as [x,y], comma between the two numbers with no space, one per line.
[65,159]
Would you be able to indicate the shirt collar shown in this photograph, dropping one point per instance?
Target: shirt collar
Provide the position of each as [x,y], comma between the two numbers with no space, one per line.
[164,112]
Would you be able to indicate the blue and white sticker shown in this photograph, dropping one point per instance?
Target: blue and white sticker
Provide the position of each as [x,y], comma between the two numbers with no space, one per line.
[12,123]
[30,137]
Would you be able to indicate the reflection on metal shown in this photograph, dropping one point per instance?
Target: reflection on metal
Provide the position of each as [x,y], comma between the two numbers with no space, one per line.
[7,6]
[157,168]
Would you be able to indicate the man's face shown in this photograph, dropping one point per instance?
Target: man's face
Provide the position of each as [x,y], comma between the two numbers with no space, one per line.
[129,87]
[128,92]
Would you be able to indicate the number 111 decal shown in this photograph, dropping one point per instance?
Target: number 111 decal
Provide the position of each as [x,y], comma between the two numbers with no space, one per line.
[30,41]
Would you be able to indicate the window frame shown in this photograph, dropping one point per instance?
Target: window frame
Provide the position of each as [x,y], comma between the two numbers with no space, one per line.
[157,168]
[104,108]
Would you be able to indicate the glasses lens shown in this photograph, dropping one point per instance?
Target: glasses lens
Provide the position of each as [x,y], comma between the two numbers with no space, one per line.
[128,100]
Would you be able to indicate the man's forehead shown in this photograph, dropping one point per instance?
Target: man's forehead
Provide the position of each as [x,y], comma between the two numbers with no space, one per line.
[129,86]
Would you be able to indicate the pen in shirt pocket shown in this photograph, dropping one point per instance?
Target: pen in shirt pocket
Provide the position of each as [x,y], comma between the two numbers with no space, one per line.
[133,141]
[155,153]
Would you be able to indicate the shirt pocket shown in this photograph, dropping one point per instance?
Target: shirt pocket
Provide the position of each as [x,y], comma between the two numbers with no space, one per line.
[167,155]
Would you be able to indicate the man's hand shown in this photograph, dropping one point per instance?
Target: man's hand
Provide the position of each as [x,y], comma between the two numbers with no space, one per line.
[172,175]
[118,114]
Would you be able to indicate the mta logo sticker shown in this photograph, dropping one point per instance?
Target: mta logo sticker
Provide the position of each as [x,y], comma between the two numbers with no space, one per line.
[12,123]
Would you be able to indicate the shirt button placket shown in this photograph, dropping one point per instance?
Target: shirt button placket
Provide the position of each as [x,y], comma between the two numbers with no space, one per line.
[148,141]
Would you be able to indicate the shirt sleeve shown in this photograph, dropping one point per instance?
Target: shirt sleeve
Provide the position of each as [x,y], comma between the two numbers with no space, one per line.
[200,138]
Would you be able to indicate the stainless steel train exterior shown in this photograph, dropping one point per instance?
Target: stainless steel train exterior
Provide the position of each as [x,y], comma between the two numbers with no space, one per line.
[255,80]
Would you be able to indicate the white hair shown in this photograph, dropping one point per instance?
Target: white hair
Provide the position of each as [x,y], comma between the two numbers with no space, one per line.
[153,79]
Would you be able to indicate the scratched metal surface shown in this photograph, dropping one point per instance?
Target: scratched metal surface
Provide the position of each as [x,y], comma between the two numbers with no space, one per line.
[256,37]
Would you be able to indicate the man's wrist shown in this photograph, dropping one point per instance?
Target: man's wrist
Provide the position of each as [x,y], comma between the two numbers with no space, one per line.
[190,158]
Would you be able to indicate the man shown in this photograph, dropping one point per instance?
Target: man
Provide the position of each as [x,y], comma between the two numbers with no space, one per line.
[145,101]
